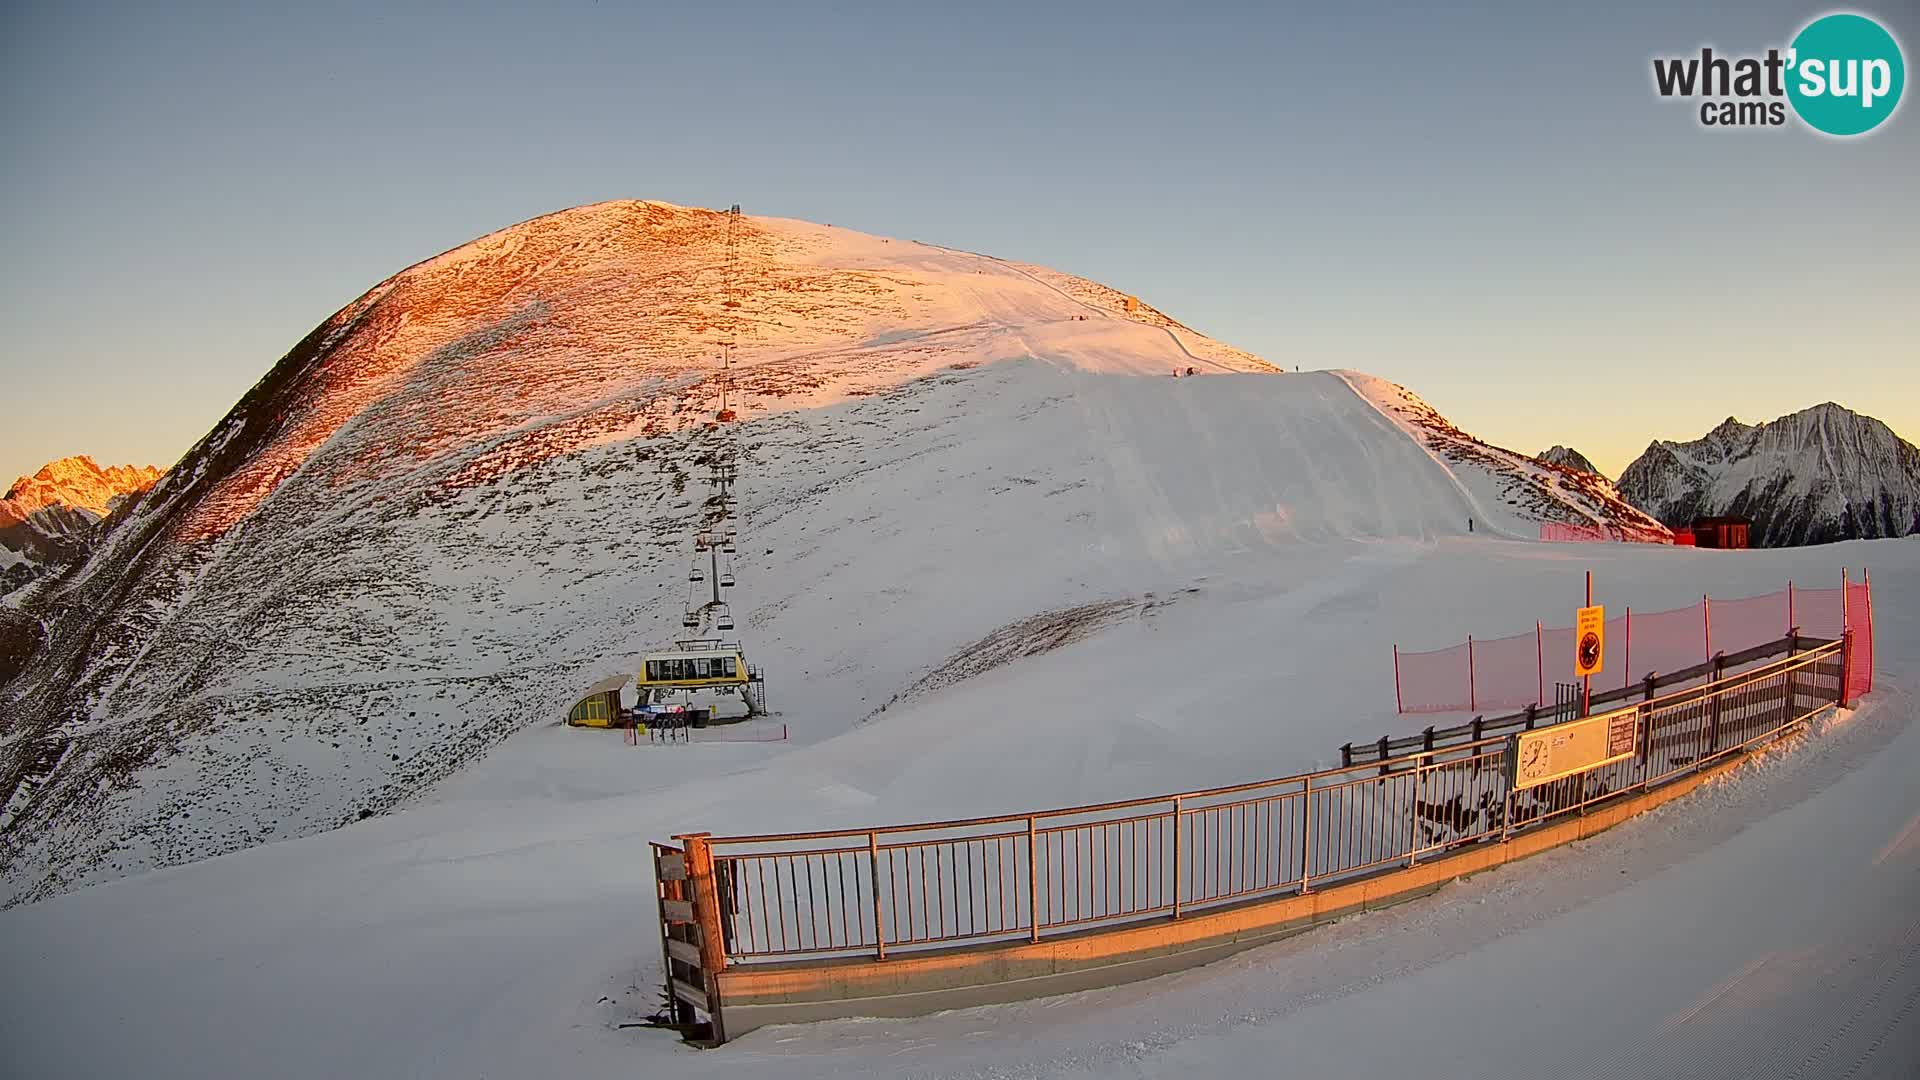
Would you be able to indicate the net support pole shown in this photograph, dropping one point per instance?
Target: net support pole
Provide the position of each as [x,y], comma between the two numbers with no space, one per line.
[1399,703]
[1706,624]
[1473,689]
[1867,598]
[1540,662]
[1626,666]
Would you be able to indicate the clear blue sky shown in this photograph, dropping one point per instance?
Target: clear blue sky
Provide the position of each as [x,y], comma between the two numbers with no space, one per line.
[1487,204]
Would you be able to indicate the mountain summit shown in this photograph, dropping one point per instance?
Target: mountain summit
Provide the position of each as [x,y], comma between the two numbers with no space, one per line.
[51,519]
[469,494]
[1567,458]
[1822,474]
[77,483]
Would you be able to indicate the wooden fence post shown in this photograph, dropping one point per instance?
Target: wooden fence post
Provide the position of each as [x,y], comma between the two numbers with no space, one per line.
[706,916]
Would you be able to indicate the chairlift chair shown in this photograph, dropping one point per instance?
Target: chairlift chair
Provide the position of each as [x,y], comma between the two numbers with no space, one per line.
[697,575]
[725,622]
[690,619]
[726,579]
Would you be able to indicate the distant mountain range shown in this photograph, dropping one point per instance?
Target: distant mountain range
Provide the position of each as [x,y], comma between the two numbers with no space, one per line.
[1819,475]
[51,519]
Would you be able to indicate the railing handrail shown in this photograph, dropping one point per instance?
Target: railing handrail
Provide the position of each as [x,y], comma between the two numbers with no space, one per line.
[1706,690]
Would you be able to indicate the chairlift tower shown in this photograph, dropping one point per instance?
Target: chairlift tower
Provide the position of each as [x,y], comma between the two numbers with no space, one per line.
[711,578]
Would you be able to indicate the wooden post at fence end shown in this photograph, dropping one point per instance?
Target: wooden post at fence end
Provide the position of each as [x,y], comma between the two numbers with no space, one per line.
[1846,668]
[1033,877]
[706,915]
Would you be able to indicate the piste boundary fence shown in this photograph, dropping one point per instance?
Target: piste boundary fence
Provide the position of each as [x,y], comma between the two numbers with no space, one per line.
[814,898]
[1517,671]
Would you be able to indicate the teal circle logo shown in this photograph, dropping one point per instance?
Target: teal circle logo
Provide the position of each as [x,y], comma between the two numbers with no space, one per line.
[1845,74]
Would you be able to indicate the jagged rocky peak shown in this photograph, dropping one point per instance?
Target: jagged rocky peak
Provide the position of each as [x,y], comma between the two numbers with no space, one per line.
[1567,458]
[53,519]
[76,483]
[1821,474]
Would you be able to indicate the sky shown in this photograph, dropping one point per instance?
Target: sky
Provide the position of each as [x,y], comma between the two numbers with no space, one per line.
[1488,204]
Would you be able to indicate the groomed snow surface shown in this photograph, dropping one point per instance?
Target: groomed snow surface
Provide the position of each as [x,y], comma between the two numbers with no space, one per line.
[1768,925]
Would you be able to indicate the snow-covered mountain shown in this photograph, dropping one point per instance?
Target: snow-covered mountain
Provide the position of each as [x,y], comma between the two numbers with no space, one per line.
[1567,458]
[467,495]
[52,519]
[1822,474]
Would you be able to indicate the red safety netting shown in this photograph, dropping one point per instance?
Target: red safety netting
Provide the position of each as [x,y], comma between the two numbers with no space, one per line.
[1513,672]
[1666,640]
[1742,624]
[1564,532]
[1820,613]
[1437,681]
[1860,621]
[1506,672]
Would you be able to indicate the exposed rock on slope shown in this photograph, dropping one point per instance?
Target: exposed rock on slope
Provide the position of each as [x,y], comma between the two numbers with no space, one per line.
[1512,486]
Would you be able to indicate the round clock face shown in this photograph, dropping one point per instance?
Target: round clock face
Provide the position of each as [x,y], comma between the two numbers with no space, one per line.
[1589,650]
[1535,757]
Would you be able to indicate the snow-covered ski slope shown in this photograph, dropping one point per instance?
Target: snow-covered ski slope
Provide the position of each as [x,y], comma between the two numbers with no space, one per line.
[500,926]
[468,495]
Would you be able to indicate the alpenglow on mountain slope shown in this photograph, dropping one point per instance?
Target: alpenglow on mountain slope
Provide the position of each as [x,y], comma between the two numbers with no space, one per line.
[468,494]
[1815,476]
[52,519]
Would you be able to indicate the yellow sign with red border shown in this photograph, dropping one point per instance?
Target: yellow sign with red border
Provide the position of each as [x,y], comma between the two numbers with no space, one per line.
[1589,641]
